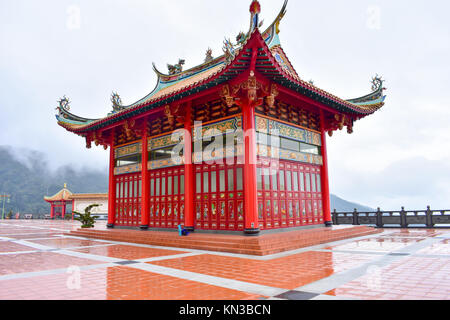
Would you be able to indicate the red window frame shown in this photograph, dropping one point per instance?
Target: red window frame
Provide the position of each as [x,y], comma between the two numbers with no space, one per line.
[166,204]
[219,206]
[128,200]
[293,205]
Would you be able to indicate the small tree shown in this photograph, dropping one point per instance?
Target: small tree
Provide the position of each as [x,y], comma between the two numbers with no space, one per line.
[87,221]
[9,215]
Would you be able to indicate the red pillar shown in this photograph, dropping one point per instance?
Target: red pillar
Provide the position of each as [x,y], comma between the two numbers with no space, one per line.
[63,211]
[52,211]
[73,208]
[325,178]
[189,191]
[250,192]
[112,189]
[145,213]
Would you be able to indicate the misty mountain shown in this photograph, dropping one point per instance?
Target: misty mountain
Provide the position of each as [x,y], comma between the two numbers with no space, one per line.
[29,179]
[342,205]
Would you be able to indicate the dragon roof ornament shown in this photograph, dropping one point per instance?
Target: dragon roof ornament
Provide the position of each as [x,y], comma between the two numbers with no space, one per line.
[116,103]
[64,104]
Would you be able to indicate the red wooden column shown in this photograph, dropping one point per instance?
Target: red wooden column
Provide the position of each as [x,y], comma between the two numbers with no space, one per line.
[112,189]
[189,191]
[145,213]
[63,211]
[250,185]
[52,211]
[324,175]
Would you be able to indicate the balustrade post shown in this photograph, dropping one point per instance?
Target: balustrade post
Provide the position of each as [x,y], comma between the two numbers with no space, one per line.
[429,219]
[355,218]
[334,214]
[403,223]
[379,218]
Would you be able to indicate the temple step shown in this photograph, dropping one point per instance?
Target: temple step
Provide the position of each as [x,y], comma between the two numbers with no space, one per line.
[262,245]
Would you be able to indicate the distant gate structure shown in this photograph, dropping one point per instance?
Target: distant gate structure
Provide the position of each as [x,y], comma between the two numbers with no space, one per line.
[58,202]
[79,202]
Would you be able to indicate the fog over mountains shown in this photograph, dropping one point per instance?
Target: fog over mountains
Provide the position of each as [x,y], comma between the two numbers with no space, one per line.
[26,176]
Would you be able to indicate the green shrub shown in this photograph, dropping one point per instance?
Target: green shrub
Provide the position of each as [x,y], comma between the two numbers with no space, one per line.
[87,221]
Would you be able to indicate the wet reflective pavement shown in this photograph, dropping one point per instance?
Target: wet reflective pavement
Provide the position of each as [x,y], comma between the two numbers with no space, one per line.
[39,262]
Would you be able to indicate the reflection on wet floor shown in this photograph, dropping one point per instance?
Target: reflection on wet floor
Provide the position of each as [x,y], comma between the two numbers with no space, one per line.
[37,261]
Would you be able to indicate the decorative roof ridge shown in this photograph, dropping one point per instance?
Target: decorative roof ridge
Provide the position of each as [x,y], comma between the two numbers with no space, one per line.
[60,195]
[307,85]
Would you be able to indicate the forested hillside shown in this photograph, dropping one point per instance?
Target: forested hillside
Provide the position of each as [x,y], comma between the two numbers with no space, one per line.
[29,183]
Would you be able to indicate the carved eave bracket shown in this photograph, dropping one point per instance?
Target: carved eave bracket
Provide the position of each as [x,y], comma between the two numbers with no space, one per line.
[173,114]
[250,91]
[129,127]
[339,122]
[97,138]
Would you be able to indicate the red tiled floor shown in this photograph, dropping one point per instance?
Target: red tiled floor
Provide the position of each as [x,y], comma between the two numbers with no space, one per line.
[34,235]
[128,252]
[115,283]
[384,244]
[288,272]
[442,247]
[39,261]
[68,243]
[410,278]
[414,233]
[6,246]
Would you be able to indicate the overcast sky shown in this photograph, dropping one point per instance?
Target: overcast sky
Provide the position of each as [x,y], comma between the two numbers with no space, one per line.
[86,49]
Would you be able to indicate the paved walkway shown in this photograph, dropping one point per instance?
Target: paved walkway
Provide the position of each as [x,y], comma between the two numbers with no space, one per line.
[38,262]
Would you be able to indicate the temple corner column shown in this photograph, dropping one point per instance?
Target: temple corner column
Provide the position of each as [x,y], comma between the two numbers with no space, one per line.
[324,174]
[52,211]
[145,212]
[189,192]
[250,179]
[63,212]
[112,189]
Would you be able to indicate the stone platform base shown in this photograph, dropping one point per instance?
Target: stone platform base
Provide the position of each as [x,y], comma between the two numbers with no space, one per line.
[259,246]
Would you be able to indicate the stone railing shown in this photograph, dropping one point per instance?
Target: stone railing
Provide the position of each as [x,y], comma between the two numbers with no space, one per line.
[403,218]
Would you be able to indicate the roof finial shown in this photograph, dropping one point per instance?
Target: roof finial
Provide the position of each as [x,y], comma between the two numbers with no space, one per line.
[65,185]
[255,10]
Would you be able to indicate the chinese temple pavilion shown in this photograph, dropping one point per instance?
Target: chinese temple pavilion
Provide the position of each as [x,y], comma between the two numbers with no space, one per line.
[237,143]
[58,202]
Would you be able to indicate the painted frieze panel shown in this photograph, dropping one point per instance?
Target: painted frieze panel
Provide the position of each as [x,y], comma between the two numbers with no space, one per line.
[218,128]
[166,141]
[276,153]
[223,153]
[128,150]
[269,126]
[165,163]
[128,169]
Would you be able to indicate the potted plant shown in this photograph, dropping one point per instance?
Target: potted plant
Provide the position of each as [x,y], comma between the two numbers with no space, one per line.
[87,221]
